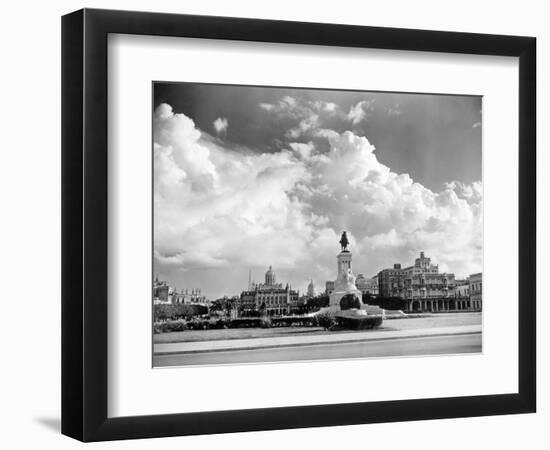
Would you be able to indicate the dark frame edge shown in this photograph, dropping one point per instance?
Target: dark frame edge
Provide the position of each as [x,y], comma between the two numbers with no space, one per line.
[72,252]
[84,245]
[527,209]
[170,425]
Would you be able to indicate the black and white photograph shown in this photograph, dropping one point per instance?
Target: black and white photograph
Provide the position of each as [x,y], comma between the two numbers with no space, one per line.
[275,225]
[299,224]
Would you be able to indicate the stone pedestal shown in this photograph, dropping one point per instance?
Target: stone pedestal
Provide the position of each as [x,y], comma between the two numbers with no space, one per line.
[345,283]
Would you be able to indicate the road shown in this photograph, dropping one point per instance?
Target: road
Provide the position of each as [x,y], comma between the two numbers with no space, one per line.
[467,343]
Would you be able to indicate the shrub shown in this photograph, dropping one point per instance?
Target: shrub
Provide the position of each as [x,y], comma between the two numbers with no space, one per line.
[265,322]
[326,320]
[218,324]
[169,326]
[359,323]
[244,322]
[177,310]
[196,324]
[316,303]
[393,303]
[176,325]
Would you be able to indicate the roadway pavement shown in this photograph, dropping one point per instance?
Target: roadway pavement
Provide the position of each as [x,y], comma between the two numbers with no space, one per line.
[295,340]
[359,344]
[373,348]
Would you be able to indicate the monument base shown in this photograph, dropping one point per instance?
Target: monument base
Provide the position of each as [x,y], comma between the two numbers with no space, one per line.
[336,297]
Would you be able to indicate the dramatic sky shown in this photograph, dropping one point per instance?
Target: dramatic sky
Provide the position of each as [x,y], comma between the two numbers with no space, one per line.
[247,177]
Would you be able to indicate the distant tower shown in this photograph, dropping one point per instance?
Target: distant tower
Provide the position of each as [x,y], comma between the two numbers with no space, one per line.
[310,289]
[270,277]
[249,279]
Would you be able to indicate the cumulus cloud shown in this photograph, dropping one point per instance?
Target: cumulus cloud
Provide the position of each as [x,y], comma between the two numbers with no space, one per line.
[307,114]
[360,111]
[394,110]
[303,126]
[329,107]
[216,208]
[287,106]
[303,151]
[220,125]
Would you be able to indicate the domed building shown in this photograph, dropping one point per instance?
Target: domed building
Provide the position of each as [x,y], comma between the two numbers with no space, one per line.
[310,290]
[270,297]
[270,277]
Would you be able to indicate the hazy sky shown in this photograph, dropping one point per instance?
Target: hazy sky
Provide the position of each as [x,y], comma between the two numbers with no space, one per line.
[247,177]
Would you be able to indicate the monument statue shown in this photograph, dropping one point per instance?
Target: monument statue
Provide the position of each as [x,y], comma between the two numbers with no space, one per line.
[344,241]
[346,300]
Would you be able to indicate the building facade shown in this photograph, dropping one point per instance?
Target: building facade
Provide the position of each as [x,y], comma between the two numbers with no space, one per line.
[162,293]
[367,285]
[310,289]
[476,290]
[462,288]
[422,285]
[190,297]
[270,297]
[165,294]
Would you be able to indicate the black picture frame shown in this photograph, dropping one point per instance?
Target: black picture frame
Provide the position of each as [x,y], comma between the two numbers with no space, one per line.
[84,224]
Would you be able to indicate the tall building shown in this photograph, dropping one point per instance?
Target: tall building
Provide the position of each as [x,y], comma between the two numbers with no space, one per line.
[193,296]
[462,288]
[163,293]
[270,277]
[310,289]
[476,290]
[425,288]
[270,297]
[367,285]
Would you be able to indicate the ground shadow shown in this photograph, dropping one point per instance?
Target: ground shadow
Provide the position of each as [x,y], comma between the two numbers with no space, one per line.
[53,423]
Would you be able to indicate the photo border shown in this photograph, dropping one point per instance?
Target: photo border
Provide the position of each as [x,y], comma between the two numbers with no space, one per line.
[84,224]
[281,87]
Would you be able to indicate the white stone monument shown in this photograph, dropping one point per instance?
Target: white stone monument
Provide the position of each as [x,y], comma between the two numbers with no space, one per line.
[344,286]
[345,282]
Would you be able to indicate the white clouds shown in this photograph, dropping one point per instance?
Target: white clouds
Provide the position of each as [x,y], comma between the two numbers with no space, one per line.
[220,125]
[310,116]
[176,260]
[329,107]
[287,106]
[217,208]
[360,111]
[303,151]
[303,126]
[394,110]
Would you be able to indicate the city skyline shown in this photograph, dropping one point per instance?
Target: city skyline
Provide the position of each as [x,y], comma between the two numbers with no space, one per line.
[319,285]
[248,177]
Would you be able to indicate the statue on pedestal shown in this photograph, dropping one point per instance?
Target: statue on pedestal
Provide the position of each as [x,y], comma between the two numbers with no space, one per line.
[344,242]
[346,300]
